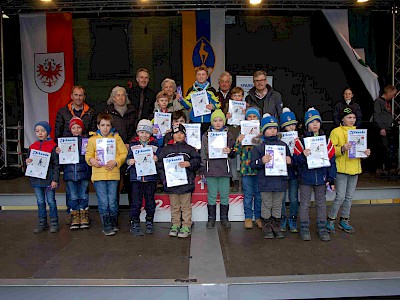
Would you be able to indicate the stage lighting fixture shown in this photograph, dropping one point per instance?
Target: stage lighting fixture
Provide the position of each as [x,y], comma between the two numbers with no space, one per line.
[255,2]
[362,1]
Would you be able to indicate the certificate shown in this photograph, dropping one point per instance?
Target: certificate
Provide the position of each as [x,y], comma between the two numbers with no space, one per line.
[217,141]
[358,140]
[174,174]
[193,135]
[144,161]
[105,150]
[39,165]
[84,145]
[69,150]
[236,110]
[199,102]
[163,120]
[319,152]
[277,165]
[249,129]
[289,137]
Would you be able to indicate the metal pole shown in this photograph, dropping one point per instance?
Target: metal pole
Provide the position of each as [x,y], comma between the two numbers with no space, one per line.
[3,91]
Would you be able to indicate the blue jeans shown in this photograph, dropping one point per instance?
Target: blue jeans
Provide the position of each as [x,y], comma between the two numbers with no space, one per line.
[345,187]
[106,192]
[293,190]
[44,195]
[250,191]
[79,198]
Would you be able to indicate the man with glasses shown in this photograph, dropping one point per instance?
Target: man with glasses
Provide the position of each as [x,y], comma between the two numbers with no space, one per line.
[263,96]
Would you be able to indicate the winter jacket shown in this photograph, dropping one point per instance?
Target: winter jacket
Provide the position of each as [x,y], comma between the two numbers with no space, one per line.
[79,171]
[382,113]
[218,167]
[53,172]
[271,103]
[245,159]
[189,154]
[344,164]
[66,113]
[120,156]
[212,99]
[173,105]
[148,103]
[339,106]
[136,144]
[224,101]
[124,125]
[267,183]
[317,176]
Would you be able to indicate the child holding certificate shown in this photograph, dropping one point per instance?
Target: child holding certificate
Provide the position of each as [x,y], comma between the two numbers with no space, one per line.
[45,188]
[289,125]
[314,179]
[201,99]
[347,170]
[217,147]
[271,187]
[106,153]
[180,196]
[142,186]
[249,177]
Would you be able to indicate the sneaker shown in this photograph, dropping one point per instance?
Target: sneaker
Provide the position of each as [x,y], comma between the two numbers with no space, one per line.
[344,225]
[184,232]
[174,230]
[259,223]
[293,225]
[248,223]
[283,224]
[108,232]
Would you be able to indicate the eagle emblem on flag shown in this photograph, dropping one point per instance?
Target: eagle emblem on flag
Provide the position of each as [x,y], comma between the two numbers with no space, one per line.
[49,71]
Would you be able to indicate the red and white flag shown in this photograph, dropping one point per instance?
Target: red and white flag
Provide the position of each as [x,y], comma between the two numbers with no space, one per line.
[47,68]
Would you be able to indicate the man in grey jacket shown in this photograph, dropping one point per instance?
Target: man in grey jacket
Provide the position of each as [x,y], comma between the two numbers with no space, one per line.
[263,96]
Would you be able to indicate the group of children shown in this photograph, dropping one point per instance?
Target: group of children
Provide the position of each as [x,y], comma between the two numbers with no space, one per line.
[264,195]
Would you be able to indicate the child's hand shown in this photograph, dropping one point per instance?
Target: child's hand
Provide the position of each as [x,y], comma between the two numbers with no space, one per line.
[307,152]
[226,150]
[332,186]
[155,130]
[127,146]
[240,138]
[95,162]
[228,115]
[210,106]
[288,160]
[28,161]
[184,164]
[131,162]
[266,158]
[58,150]
[155,158]
[111,164]
[367,152]
[346,147]
[53,185]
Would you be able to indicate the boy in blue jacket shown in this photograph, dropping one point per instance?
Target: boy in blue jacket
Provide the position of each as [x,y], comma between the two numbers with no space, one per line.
[271,188]
[316,180]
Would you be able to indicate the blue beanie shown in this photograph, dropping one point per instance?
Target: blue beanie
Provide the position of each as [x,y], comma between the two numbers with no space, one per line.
[287,118]
[253,111]
[267,122]
[45,125]
[311,115]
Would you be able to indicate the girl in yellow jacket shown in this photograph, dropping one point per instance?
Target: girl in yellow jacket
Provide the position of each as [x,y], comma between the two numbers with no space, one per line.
[347,172]
[102,146]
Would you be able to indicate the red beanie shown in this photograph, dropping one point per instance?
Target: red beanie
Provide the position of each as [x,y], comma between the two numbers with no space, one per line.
[76,121]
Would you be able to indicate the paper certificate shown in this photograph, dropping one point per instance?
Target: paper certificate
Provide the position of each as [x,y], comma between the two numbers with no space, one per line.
[163,120]
[39,165]
[236,110]
[217,141]
[144,161]
[277,166]
[289,137]
[199,102]
[105,150]
[193,135]
[69,150]
[319,152]
[84,145]
[358,140]
[249,129]
[174,174]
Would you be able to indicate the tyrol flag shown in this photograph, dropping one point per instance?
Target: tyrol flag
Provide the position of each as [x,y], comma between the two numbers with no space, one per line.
[203,40]
[47,67]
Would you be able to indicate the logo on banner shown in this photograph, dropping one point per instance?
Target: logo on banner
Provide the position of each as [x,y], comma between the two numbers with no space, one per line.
[49,71]
[203,55]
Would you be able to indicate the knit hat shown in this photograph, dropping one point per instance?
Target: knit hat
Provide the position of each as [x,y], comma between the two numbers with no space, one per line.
[179,128]
[287,118]
[347,110]
[45,125]
[76,121]
[267,122]
[311,115]
[253,111]
[218,113]
[145,125]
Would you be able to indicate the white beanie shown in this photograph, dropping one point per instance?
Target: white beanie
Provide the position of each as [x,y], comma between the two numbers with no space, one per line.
[145,125]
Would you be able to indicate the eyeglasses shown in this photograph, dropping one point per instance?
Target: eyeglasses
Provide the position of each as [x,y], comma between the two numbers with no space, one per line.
[224,81]
[260,80]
